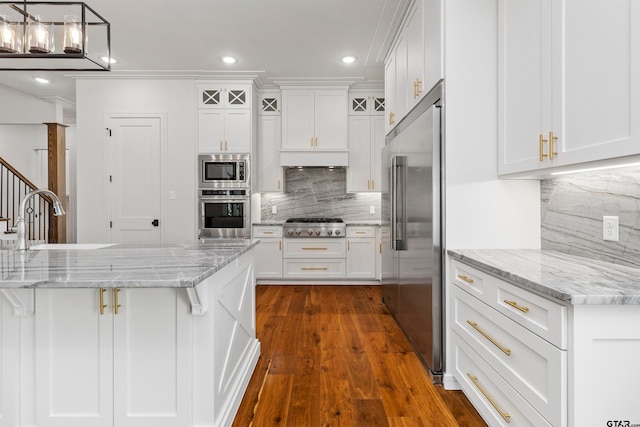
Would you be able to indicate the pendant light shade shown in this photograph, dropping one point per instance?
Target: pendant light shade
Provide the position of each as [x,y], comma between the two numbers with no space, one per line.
[53,36]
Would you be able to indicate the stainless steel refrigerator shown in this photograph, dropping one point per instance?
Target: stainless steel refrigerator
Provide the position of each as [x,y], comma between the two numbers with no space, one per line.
[412,215]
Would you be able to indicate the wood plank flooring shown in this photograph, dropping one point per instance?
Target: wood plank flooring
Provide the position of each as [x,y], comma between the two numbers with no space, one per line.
[334,356]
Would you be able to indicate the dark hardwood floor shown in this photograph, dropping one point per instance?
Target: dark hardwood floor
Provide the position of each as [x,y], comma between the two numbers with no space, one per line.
[334,356]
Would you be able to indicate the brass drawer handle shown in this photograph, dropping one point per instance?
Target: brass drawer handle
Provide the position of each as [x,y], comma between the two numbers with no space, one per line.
[552,139]
[267,232]
[314,268]
[279,245]
[542,141]
[116,304]
[102,304]
[505,350]
[503,414]
[361,232]
[315,249]
[516,306]
[465,278]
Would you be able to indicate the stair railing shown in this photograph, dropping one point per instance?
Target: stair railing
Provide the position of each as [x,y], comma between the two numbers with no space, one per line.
[13,187]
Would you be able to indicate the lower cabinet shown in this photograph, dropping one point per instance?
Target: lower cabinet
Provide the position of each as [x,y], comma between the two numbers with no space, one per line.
[361,252]
[526,360]
[130,357]
[269,252]
[108,357]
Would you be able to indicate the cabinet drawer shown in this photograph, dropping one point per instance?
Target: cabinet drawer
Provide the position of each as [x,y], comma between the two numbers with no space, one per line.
[315,248]
[355,231]
[267,231]
[540,315]
[470,279]
[491,395]
[544,317]
[532,366]
[319,269]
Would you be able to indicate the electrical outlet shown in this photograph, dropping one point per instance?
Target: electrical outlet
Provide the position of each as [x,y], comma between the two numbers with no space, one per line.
[610,228]
[372,209]
[172,195]
[274,209]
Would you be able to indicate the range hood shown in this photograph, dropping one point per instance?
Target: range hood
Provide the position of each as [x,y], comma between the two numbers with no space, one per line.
[314,158]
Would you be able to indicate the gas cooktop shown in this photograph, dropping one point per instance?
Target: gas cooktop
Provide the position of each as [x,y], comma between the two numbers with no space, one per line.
[314,227]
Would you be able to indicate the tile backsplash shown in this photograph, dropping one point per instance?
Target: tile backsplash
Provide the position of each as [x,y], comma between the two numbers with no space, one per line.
[572,211]
[318,192]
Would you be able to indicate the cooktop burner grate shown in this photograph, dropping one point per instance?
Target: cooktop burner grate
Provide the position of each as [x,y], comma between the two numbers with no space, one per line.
[314,220]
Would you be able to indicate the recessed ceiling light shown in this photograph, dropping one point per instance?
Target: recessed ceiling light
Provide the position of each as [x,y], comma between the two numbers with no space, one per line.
[108,60]
[349,59]
[42,80]
[228,59]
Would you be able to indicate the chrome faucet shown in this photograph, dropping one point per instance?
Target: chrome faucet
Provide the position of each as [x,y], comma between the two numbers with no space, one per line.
[22,242]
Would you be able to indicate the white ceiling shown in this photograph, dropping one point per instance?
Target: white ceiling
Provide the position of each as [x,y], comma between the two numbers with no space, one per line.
[280,41]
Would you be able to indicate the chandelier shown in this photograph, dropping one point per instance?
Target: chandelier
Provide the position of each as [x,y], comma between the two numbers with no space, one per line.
[55,36]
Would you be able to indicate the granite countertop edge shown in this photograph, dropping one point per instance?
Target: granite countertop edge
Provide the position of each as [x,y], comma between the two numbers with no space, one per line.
[566,278]
[165,265]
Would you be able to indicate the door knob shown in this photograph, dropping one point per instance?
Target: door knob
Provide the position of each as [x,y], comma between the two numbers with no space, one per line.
[155,222]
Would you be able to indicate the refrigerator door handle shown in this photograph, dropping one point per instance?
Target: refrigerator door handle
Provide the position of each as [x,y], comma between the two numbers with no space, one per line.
[394,208]
[399,201]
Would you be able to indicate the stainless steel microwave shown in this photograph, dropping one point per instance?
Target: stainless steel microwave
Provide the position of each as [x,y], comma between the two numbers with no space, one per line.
[223,171]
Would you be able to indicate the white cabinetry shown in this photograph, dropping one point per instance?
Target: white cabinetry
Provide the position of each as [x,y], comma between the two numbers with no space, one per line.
[567,94]
[224,118]
[269,252]
[269,141]
[9,362]
[414,64]
[314,121]
[315,258]
[366,140]
[126,366]
[522,377]
[361,252]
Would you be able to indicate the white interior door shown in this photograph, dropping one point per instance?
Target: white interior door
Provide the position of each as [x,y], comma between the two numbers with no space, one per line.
[134,148]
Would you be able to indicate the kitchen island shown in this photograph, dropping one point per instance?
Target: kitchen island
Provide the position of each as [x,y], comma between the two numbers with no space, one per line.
[126,335]
[545,338]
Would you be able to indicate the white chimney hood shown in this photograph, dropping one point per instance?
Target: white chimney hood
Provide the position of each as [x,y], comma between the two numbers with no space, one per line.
[314,157]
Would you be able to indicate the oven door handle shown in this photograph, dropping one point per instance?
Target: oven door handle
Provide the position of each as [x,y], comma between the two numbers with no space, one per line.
[223,200]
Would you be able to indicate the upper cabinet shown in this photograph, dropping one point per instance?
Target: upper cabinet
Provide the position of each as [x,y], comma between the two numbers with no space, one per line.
[366,140]
[314,121]
[569,74]
[414,64]
[269,140]
[224,118]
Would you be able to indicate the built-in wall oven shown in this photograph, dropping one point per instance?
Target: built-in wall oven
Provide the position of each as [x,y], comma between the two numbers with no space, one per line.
[224,213]
[223,171]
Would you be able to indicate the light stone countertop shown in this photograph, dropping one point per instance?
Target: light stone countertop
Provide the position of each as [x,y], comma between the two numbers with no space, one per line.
[162,265]
[571,279]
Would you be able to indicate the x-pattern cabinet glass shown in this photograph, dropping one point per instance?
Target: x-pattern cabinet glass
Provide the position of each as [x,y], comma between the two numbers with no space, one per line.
[224,118]
[112,357]
[366,140]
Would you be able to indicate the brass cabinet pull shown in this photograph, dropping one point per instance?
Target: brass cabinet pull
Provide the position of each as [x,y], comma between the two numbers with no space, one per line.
[465,278]
[220,145]
[552,138]
[542,141]
[116,304]
[368,184]
[226,148]
[102,304]
[279,245]
[503,414]
[361,232]
[391,120]
[505,350]
[268,232]
[311,142]
[316,142]
[348,245]
[278,184]
[315,249]
[373,184]
[314,268]
[380,247]
[419,83]
[515,305]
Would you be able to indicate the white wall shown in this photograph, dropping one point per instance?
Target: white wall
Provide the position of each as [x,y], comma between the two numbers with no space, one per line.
[481,210]
[20,108]
[173,97]
[18,144]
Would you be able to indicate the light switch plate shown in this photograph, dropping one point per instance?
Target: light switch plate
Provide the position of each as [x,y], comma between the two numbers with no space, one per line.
[372,209]
[610,228]
[274,209]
